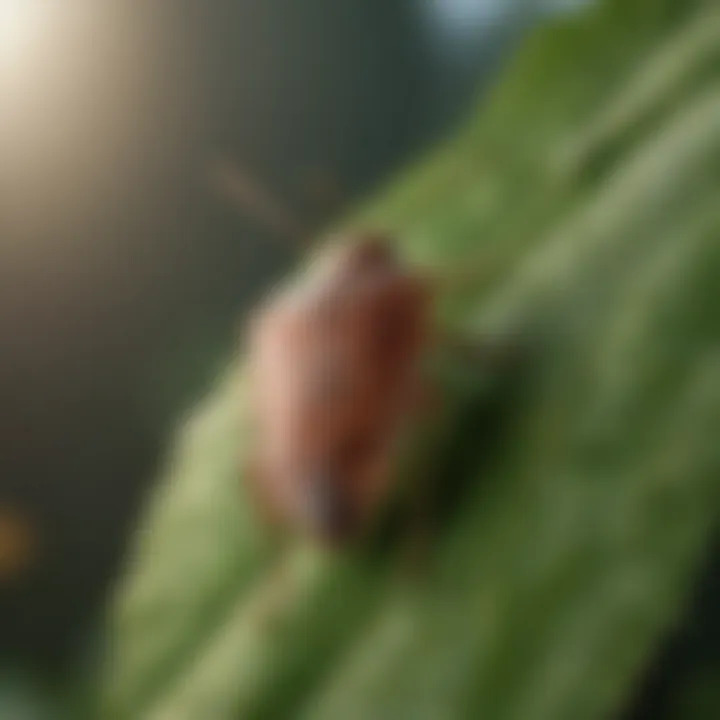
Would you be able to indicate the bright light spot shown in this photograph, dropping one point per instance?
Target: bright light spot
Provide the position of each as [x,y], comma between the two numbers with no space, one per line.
[467,15]
[23,25]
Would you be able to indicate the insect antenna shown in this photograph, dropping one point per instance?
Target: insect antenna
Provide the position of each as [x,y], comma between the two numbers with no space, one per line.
[255,198]
[248,194]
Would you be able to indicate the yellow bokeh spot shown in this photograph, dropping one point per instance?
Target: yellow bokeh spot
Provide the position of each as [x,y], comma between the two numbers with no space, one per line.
[17,544]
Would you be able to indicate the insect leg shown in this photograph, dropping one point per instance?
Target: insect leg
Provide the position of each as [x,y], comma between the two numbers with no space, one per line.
[419,493]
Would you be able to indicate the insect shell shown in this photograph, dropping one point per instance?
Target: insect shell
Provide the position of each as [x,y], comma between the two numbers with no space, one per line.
[336,374]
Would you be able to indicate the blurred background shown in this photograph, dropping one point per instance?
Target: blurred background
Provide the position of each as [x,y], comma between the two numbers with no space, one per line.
[160,165]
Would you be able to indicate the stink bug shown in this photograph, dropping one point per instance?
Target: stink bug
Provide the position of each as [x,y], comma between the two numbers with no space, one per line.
[337,375]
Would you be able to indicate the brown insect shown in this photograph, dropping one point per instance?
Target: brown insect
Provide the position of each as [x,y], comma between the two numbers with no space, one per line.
[337,376]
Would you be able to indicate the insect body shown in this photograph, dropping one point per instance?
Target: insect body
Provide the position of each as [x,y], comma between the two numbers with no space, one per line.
[336,369]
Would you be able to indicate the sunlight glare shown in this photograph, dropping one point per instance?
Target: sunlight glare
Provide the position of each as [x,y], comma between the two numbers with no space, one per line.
[23,23]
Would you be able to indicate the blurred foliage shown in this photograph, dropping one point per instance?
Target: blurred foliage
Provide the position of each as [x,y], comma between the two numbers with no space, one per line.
[24,698]
[589,185]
